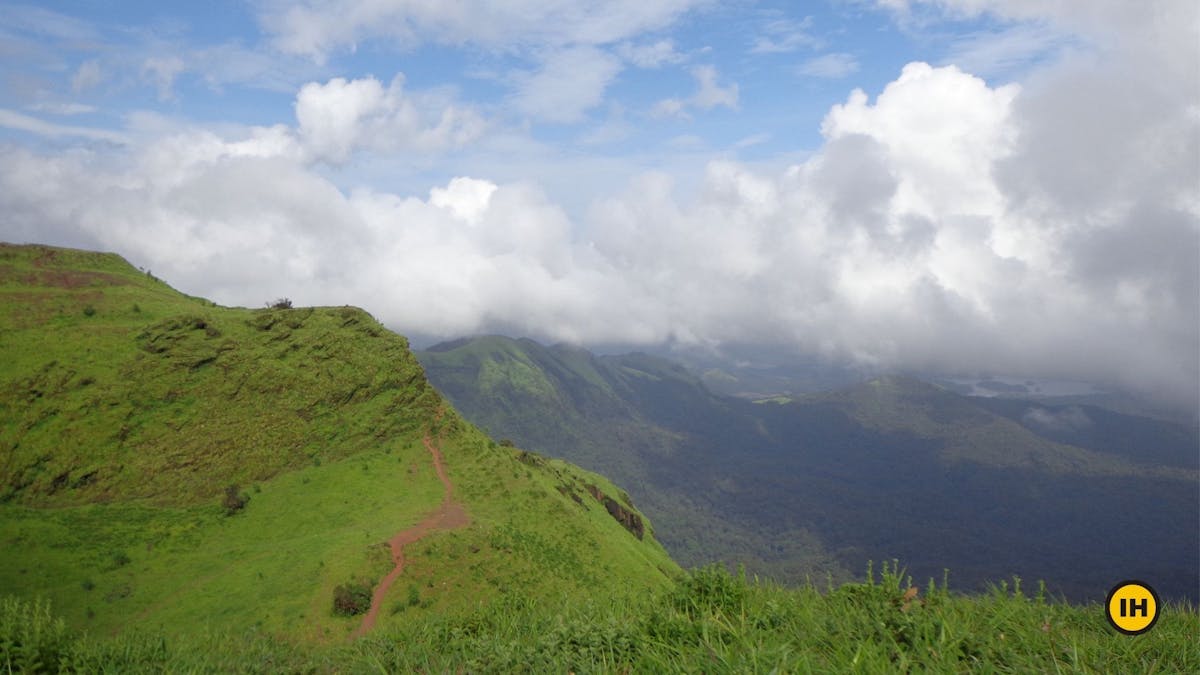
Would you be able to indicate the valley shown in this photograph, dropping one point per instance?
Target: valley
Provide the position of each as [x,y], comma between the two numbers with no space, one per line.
[812,485]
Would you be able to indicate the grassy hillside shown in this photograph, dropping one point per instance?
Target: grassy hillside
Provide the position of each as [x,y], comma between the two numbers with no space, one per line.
[805,486]
[712,622]
[627,417]
[169,464]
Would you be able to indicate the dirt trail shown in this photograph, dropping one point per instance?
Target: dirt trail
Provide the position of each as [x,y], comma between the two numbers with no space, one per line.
[450,515]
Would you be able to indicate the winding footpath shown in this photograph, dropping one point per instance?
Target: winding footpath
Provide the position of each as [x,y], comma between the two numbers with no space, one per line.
[449,516]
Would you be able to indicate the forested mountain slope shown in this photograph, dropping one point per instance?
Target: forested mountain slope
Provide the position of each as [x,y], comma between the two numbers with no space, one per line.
[820,484]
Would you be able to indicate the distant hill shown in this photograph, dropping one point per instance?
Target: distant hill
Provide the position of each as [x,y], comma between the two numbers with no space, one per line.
[166,462]
[817,484]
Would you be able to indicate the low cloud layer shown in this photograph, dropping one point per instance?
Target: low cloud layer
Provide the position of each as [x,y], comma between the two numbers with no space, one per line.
[1046,228]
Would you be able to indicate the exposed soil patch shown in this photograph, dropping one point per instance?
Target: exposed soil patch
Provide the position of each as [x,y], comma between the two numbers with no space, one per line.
[450,515]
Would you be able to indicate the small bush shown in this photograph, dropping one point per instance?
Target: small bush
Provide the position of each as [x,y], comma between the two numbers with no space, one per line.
[710,590]
[352,598]
[89,310]
[31,639]
[280,303]
[235,500]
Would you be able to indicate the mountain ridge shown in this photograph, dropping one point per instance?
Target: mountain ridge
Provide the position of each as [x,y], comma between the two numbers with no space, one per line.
[825,475]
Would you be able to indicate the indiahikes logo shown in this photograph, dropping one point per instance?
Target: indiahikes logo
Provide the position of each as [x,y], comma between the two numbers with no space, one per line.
[1132,607]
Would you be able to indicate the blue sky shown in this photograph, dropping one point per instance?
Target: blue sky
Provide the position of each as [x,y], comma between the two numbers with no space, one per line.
[776,68]
[951,185]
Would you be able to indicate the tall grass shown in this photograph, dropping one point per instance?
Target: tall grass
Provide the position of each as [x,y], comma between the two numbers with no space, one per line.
[711,621]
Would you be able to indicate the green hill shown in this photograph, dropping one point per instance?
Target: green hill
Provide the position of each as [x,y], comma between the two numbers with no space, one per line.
[168,463]
[805,486]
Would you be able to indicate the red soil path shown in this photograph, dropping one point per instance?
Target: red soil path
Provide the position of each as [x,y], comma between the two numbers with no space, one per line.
[450,515]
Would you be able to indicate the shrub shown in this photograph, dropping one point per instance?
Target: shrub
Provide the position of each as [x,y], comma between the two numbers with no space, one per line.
[280,303]
[709,590]
[89,311]
[120,559]
[235,500]
[352,598]
[31,639]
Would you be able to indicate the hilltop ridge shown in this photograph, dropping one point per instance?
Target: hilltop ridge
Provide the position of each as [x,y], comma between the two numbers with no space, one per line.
[169,462]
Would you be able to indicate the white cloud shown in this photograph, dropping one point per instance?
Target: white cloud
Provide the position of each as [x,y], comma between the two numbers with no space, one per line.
[161,71]
[63,109]
[569,83]
[942,130]
[708,95]
[86,77]
[317,28]
[1169,30]
[567,39]
[22,122]
[786,35]
[1004,51]
[831,66]
[466,198]
[669,107]
[653,55]
[234,64]
[339,117]
[47,24]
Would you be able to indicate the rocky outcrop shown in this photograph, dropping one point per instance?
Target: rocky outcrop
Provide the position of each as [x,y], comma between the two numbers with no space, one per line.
[628,519]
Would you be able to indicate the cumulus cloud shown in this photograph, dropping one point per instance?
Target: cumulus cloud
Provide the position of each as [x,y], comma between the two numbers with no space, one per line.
[341,116]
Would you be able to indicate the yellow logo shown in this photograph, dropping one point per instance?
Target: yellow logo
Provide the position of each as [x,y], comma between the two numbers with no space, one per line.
[1132,607]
